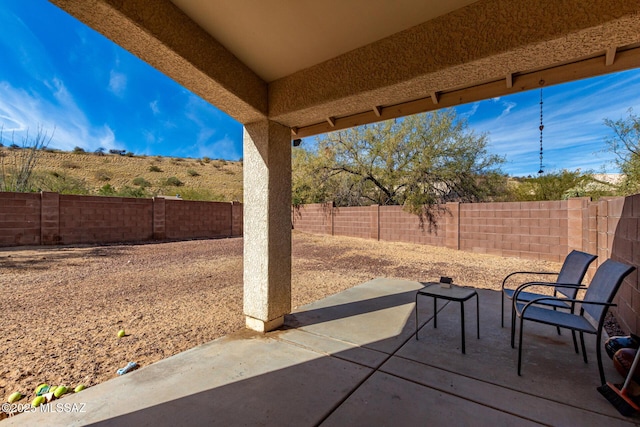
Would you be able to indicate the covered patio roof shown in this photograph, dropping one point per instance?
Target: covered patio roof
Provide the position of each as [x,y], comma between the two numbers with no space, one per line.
[316,66]
[289,69]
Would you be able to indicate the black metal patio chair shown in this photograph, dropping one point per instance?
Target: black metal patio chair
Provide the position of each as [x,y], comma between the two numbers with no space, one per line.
[572,272]
[597,300]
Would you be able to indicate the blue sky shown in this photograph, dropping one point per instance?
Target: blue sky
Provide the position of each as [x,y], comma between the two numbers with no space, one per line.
[56,72]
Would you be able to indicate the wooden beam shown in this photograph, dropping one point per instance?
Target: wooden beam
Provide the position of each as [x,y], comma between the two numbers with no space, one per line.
[611,56]
[331,121]
[294,131]
[434,97]
[377,110]
[509,81]
[594,66]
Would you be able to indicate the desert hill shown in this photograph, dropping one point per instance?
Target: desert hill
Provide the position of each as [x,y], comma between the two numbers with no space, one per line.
[128,175]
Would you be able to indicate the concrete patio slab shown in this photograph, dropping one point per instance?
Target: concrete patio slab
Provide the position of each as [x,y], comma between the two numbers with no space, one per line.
[243,379]
[377,315]
[414,405]
[521,404]
[548,358]
[353,359]
[330,346]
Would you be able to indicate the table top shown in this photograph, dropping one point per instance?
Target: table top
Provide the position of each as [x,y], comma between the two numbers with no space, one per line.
[454,292]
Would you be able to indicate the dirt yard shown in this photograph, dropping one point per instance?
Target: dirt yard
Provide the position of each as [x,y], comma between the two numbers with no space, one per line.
[63,307]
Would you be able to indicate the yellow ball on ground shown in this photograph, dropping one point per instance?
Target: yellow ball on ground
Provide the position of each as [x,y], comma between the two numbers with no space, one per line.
[14,397]
[60,390]
[121,333]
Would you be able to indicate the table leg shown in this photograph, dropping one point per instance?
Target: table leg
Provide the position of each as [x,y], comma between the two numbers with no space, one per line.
[478,313]
[462,323]
[416,316]
[435,312]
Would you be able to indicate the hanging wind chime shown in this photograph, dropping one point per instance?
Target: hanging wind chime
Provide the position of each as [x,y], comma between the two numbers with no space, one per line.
[541,171]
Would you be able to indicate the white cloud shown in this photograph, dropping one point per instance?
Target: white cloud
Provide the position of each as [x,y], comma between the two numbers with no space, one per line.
[22,111]
[574,133]
[224,148]
[117,83]
[508,106]
[471,112]
[154,107]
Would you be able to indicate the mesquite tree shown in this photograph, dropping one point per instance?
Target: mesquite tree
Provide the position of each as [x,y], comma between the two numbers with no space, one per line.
[418,162]
[625,144]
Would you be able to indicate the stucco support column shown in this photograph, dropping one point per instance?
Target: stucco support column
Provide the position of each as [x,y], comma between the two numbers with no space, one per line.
[267,224]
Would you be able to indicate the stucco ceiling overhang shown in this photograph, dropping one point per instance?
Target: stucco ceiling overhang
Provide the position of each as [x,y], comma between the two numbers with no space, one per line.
[317,66]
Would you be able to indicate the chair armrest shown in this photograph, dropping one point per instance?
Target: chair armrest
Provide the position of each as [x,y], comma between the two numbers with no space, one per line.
[548,284]
[573,300]
[504,282]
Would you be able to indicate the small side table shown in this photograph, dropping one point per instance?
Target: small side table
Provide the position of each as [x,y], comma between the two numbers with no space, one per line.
[454,293]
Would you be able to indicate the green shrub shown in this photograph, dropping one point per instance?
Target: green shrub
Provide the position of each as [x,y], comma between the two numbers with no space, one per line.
[69,165]
[206,159]
[173,181]
[78,150]
[201,194]
[103,175]
[140,181]
[107,190]
[129,154]
[154,168]
[192,172]
[127,191]
[60,183]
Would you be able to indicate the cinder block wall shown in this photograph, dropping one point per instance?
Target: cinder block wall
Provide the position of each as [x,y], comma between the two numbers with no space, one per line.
[19,219]
[191,219]
[51,218]
[87,219]
[532,230]
[353,222]
[314,218]
[618,238]
[396,225]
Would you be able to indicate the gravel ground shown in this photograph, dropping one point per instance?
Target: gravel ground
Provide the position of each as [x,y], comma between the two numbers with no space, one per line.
[63,306]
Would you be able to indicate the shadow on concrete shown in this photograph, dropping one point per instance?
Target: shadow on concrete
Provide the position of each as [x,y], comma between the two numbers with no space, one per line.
[336,364]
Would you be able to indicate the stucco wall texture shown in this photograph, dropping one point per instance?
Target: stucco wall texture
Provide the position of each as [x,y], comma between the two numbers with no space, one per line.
[481,42]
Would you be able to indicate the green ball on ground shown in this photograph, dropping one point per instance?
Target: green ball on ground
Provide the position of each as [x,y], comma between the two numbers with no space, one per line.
[79,388]
[121,333]
[14,397]
[60,390]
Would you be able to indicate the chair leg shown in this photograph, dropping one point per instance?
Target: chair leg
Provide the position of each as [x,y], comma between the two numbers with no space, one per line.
[513,326]
[520,347]
[416,316]
[599,357]
[575,341]
[557,327]
[584,351]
